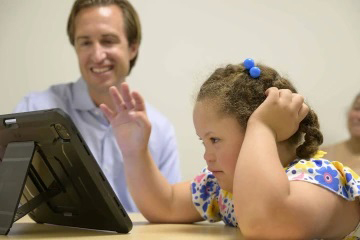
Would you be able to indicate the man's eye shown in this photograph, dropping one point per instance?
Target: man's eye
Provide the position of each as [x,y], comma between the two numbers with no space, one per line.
[107,42]
[86,43]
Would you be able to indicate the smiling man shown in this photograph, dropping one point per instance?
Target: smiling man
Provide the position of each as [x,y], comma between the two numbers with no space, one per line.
[106,35]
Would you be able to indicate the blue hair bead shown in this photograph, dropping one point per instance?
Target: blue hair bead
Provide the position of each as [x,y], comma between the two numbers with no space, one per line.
[255,72]
[249,63]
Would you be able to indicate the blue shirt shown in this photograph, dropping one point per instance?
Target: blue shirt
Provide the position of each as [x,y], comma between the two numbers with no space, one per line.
[75,100]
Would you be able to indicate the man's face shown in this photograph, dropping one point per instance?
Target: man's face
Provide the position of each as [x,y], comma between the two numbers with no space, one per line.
[102,47]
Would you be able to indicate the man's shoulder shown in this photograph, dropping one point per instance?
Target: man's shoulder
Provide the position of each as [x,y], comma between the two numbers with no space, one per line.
[56,96]
[160,124]
[155,116]
[54,90]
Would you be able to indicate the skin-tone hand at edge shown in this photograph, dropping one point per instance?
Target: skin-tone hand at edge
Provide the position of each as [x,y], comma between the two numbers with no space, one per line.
[281,112]
[129,120]
[157,200]
[273,206]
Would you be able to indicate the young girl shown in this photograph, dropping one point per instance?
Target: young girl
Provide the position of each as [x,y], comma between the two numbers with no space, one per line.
[263,174]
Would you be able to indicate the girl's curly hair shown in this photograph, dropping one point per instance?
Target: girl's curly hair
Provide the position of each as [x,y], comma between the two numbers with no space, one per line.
[237,94]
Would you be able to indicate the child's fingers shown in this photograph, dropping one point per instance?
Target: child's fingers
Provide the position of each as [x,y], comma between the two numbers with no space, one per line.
[297,100]
[125,93]
[285,95]
[303,112]
[117,99]
[109,114]
[139,101]
[271,90]
[298,104]
[272,94]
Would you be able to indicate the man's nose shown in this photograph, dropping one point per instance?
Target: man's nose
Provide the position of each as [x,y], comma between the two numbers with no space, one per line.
[98,54]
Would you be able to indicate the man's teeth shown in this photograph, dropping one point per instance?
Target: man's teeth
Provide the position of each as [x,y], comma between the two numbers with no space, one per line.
[101,70]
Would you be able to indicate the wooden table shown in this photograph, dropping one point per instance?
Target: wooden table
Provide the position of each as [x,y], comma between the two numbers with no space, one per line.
[25,228]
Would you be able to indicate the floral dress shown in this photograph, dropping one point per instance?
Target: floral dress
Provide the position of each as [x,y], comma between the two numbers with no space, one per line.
[215,204]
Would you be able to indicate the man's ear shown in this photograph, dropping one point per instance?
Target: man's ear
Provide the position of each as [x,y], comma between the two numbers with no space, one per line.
[133,50]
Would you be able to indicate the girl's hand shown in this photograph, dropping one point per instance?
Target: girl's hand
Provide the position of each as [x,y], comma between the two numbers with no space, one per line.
[128,119]
[282,111]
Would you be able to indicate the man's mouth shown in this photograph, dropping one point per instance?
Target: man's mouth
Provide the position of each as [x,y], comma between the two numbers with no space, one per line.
[101,69]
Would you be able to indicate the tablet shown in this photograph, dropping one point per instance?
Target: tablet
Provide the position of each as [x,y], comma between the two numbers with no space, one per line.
[48,172]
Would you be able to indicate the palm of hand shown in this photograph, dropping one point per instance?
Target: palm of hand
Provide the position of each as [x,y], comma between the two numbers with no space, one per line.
[129,131]
[129,120]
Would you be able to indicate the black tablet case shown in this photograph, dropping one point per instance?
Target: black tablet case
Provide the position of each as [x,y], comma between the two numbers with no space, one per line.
[48,172]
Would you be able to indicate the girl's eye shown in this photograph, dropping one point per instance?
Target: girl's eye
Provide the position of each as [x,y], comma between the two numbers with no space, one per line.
[214,140]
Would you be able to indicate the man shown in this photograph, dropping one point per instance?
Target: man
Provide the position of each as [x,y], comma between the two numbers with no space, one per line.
[106,35]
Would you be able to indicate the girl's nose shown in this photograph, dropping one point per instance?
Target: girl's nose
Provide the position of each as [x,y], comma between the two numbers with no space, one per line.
[208,156]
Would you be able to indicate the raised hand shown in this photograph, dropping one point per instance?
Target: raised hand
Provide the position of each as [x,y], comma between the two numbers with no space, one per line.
[128,119]
[282,111]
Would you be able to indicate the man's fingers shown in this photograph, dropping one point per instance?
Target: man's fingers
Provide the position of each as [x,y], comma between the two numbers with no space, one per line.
[126,95]
[139,101]
[109,114]
[117,99]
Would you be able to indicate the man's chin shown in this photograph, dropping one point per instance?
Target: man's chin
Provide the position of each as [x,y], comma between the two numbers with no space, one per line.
[102,83]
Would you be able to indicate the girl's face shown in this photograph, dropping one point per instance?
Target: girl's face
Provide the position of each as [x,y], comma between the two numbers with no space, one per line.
[222,137]
[354,119]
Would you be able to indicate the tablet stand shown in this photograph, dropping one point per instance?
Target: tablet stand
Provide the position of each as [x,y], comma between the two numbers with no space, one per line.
[15,169]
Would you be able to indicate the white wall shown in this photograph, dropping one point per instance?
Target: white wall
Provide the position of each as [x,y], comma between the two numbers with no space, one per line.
[316,43]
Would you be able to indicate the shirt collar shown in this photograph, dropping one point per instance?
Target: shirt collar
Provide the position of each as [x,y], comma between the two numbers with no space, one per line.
[82,99]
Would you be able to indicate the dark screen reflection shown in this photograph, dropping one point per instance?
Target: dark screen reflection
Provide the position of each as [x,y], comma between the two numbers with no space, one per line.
[2,152]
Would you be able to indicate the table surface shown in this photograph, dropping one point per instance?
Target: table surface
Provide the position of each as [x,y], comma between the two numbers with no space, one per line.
[26,228]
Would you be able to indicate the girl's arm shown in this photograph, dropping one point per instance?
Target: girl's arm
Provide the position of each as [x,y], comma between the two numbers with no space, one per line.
[267,205]
[157,200]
